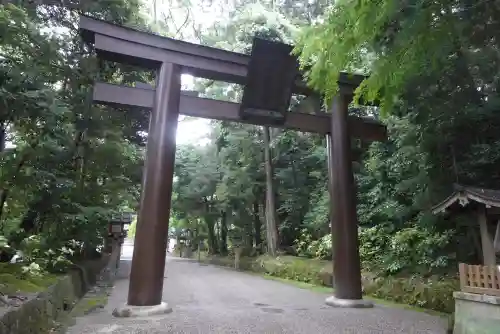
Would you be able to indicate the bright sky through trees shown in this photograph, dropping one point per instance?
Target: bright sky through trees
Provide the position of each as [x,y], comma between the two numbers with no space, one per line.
[189,130]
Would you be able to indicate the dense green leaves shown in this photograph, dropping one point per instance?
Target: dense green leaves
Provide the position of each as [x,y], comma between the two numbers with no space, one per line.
[434,68]
[65,165]
[395,41]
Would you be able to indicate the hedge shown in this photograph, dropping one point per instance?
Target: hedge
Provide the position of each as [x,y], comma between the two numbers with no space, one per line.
[433,293]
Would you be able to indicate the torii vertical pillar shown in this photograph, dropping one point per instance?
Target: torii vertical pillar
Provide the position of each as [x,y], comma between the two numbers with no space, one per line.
[148,262]
[344,222]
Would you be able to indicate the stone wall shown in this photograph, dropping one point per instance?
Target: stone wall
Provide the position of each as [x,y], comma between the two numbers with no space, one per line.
[476,314]
[38,314]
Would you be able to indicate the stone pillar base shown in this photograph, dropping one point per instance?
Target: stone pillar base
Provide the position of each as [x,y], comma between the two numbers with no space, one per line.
[348,303]
[128,311]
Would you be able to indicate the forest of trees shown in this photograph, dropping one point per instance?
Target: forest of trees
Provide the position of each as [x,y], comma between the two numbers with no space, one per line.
[443,128]
[66,165]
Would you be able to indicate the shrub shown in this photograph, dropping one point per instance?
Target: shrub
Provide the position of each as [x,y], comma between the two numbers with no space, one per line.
[36,250]
[322,248]
[303,242]
[430,293]
[289,267]
[319,249]
[373,243]
[415,247]
[411,249]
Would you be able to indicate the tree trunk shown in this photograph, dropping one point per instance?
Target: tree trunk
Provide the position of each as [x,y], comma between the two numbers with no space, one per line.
[2,136]
[81,163]
[476,242]
[272,232]
[217,235]
[223,233]
[257,226]
[489,258]
[212,239]
[248,236]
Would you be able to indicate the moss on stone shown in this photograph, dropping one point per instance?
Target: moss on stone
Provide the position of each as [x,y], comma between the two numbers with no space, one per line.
[55,297]
[45,280]
[14,269]
[10,284]
[89,304]
[12,280]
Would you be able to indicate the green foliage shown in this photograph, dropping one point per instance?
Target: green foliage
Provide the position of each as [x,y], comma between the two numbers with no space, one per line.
[66,166]
[38,252]
[417,248]
[307,246]
[132,228]
[308,271]
[442,124]
[17,277]
[431,293]
[432,67]
[395,41]
[409,249]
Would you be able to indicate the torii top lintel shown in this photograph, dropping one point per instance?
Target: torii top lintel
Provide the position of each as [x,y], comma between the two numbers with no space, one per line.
[148,50]
[127,45]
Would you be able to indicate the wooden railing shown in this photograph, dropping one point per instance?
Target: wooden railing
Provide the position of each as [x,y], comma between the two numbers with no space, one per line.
[484,280]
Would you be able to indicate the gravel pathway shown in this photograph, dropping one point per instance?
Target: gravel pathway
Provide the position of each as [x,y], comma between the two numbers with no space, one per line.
[208,299]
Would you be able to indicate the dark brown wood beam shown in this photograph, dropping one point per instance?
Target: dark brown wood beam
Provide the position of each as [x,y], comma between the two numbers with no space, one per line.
[148,262]
[126,45]
[104,93]
[344,222]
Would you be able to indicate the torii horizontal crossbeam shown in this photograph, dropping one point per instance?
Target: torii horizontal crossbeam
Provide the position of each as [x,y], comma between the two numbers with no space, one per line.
[228,111]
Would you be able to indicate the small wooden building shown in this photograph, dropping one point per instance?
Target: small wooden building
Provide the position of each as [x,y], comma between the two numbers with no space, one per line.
[485,203]
[477,304]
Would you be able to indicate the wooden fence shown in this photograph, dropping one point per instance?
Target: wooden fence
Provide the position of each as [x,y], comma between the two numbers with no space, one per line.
[484,280]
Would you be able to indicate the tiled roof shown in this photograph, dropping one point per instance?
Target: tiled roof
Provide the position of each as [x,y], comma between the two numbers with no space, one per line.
[464,195]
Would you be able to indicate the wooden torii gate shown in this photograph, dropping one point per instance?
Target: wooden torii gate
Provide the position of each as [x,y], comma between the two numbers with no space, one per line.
[171,58]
